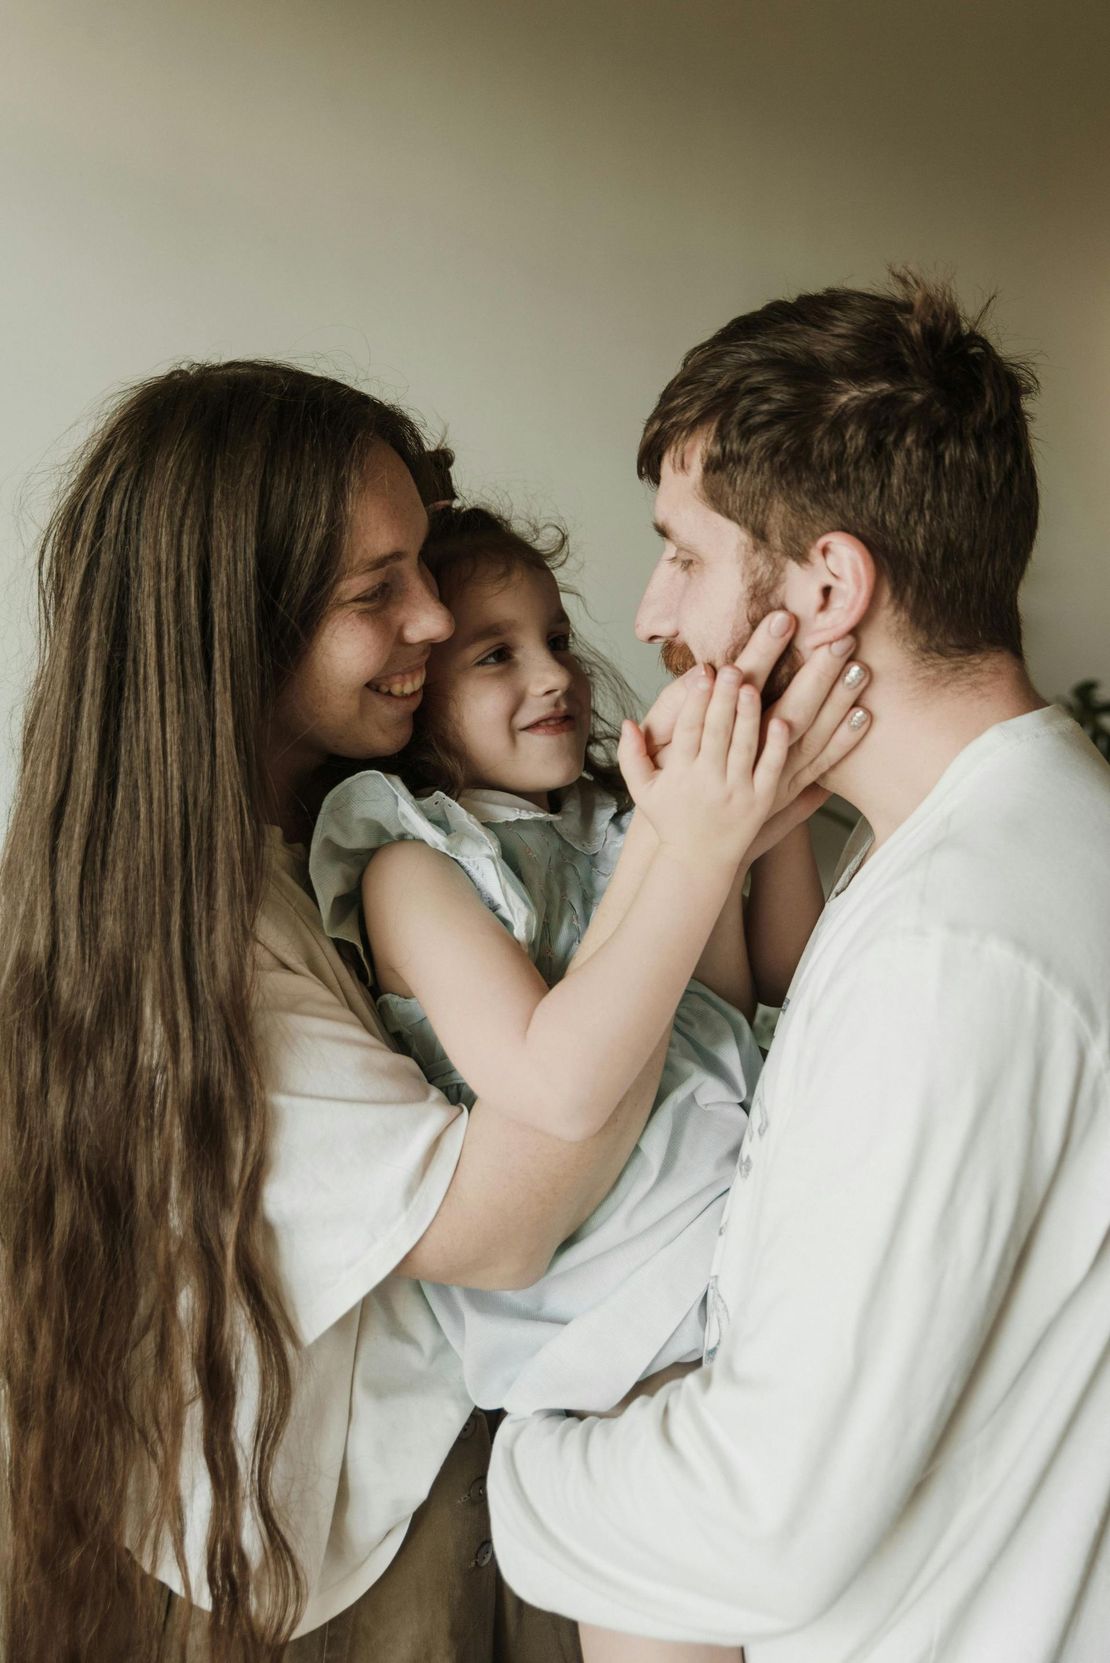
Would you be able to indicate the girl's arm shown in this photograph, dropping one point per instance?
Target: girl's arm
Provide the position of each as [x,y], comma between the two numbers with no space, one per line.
[516,1193]
[752,952]
[560,1059]
[754,949]
[784,904]
[724,965]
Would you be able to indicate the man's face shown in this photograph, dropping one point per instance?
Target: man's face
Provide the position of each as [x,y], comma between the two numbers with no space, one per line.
[711,585]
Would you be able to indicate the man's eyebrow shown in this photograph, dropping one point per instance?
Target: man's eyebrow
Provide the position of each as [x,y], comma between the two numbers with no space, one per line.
[669,535]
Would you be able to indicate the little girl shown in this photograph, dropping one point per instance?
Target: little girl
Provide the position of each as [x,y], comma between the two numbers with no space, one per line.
[491,855]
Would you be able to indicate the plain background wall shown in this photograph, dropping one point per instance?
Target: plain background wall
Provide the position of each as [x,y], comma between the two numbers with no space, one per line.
[517,216]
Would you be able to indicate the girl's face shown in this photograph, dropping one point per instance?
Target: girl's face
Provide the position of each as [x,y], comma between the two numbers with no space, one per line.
[355,690]
[515,698]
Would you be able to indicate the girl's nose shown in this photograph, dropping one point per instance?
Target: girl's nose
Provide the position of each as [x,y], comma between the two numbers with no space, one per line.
[550,675]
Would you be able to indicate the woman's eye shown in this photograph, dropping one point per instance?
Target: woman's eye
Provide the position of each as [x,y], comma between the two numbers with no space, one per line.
[682,563]
[375,596]
[560,642]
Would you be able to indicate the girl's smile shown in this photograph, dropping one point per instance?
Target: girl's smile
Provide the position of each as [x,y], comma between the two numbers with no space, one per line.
[557,723]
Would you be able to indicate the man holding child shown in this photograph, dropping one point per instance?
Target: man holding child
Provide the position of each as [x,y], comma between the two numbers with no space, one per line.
[900,1449]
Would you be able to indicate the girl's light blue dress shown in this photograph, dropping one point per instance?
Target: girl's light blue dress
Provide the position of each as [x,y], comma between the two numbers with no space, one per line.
[626,1294]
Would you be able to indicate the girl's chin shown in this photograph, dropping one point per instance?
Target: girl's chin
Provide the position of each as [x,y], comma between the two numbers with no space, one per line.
[532,787]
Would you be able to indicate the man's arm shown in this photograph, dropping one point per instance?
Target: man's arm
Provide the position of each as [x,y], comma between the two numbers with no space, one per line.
[866,1255]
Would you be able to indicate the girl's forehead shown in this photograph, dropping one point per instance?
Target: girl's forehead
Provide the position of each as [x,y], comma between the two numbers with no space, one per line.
[516,594]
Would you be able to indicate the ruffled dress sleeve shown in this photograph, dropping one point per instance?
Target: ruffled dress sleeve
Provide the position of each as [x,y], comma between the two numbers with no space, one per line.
[363,814]
[372,809]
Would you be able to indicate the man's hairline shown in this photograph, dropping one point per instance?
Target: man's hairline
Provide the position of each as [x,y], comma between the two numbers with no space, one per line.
[681,459]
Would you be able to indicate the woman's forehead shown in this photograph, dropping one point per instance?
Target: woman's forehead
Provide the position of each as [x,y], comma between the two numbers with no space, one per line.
[387,515]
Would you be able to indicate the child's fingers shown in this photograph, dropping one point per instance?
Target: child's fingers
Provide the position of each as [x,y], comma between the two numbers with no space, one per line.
[720,718]
[633,759]
[744,744]
[658,724]
[691,718]
[772,758]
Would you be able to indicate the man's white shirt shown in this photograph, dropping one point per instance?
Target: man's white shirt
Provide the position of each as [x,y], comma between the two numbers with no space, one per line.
[901,1449]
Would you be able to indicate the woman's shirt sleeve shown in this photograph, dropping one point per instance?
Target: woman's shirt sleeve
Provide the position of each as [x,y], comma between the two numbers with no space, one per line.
[362,1148]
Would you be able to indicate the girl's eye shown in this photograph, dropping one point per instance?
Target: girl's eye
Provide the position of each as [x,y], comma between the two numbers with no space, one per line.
[560,642]
[496,655]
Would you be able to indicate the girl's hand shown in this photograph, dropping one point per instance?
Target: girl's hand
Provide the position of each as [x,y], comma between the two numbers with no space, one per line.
[819,705]
[718,786]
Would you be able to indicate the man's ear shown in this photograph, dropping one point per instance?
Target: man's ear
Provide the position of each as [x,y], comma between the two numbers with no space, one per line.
[839,579]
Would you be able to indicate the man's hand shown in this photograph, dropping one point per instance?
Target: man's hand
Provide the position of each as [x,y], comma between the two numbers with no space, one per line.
[819,706]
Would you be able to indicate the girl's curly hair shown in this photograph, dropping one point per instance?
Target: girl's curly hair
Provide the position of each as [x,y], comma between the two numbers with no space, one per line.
[469,542]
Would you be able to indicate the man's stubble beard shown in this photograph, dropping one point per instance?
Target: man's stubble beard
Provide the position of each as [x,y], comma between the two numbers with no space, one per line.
[763,597]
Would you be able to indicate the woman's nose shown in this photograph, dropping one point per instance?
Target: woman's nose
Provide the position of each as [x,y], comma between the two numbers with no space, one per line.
[427,619]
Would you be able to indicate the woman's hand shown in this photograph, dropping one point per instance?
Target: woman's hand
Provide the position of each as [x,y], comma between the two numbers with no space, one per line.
[722,774]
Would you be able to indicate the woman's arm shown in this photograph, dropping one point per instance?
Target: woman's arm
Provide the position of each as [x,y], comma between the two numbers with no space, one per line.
[517,1193]
[784,905]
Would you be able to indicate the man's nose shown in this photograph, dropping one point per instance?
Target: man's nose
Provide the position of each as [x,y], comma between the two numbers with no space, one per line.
[653,617]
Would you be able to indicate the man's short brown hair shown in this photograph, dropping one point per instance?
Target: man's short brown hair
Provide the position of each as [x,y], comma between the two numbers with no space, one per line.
[890,416]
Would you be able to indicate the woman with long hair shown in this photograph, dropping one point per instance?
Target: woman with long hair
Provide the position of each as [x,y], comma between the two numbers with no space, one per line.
[210,1160]
[231,1421]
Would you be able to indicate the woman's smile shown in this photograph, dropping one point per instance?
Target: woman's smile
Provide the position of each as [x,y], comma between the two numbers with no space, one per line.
[404,686]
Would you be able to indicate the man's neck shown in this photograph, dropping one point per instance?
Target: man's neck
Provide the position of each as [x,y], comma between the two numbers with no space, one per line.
[921,721]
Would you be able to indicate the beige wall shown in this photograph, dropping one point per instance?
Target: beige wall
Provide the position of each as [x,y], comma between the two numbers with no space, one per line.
[517,215]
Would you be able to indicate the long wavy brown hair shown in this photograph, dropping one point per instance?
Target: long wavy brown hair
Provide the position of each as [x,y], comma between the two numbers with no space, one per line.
[189,561]
[468,543]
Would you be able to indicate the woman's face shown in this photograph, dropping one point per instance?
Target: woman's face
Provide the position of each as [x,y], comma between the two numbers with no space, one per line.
[515,699]
[356,688]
